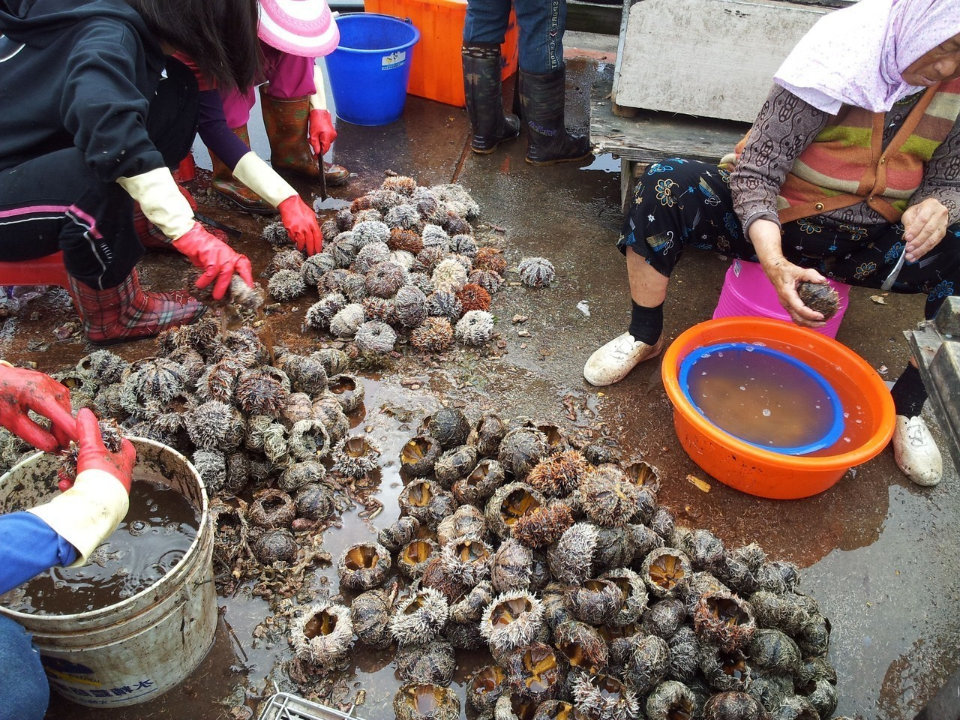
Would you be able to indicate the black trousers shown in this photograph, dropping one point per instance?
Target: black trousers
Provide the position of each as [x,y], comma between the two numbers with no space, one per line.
[680,203]
[55,202]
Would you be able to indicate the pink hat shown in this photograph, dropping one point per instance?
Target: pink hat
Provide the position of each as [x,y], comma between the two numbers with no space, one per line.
[298,27]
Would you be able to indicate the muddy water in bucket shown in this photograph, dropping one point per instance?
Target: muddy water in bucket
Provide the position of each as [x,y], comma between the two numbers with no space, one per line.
[133,650]
[158,530]
[763,397]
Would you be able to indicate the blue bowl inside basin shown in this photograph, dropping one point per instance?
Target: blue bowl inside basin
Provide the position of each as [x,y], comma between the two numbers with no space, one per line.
[804,381]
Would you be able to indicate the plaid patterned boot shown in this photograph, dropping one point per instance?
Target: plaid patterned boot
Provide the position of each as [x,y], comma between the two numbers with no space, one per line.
[128,312]
[150,236]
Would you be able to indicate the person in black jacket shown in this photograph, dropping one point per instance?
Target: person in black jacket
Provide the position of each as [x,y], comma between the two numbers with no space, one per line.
[94,115]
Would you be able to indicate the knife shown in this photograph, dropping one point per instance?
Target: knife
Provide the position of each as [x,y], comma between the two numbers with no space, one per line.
[892,277]
[323,180]
[232,231]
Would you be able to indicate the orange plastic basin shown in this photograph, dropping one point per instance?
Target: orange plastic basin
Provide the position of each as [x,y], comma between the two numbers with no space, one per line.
[768,474]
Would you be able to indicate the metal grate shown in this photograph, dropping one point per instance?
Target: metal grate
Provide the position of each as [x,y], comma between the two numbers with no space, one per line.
[284,706]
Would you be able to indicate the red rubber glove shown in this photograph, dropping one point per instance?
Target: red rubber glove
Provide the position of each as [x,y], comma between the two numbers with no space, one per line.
[217,260]
[322,133]
[22,390]
[94,456]
[301,224]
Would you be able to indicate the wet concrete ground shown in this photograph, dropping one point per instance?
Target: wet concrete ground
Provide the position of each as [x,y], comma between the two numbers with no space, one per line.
[879,553]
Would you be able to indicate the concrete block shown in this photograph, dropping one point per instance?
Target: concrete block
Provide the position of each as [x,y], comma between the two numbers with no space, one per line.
[948,317]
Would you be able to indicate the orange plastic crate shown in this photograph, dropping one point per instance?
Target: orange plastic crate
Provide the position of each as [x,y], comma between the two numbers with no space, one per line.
[436,70]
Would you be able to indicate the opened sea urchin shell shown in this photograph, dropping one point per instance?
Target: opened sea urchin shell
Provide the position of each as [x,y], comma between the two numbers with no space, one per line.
[322,634]
[424,701]
[512,620]
[420,618]
[363,566]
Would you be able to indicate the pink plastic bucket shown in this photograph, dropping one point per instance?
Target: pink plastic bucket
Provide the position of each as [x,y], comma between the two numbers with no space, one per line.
[747,291]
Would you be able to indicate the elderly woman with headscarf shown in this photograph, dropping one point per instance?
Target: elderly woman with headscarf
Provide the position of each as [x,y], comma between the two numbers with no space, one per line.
[853,160]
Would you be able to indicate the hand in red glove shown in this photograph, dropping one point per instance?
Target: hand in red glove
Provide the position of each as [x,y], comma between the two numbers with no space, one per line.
[322,133]
[22,390]
[217,260]
[301,224]
[95,456]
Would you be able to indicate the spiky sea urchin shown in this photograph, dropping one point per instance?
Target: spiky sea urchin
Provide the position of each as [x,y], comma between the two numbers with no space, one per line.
[459,200]
[370,255]
[345,323]
[385,278]
[419,618]
[464,245]
[434,335]
[449,275]
[315,266]
[363,566]
[454,224]
[375,337]
[511,621]
[490,259]
[275,234]
[287,259]
[355,457]
[609,499]
[445,304]
[434,236]
[410,306]
[214,425]
[474,297]
[403,184]
[322,634]
[571,557]
[475,328]
[212,466]
[488,280]
[559,475]
[433,662]
[370,231]
[344,249]
[403,216]
[544,525]
[404,259]
[382,309]
[329,229]
[536,272]
[402,239]
[286,285]
[604,696]
[260,393]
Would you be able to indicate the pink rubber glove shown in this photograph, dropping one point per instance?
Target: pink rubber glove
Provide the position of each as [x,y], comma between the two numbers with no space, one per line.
[322,133]
[94,456]
[301,225]
[217,260]
[22,390]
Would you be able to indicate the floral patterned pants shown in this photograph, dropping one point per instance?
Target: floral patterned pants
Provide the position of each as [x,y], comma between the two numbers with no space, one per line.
[681,203]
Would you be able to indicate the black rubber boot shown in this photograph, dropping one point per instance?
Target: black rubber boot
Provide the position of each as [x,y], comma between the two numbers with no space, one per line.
[484,94]
[541,100]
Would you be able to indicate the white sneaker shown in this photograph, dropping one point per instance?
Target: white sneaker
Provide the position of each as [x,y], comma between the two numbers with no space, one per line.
[916,452]
[614,361]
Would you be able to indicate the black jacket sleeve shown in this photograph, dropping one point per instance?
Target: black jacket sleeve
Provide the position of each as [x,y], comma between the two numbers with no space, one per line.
[103,105]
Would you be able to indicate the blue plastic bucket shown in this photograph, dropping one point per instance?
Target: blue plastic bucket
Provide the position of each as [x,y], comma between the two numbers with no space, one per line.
[370,68]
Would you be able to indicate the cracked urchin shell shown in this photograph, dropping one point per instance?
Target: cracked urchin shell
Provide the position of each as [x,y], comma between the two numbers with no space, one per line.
[466,523]
[484,687]
[723,619]
[321,313]
[103,366]
[404,216]
[475,328]
[582,645]
[455,463]
[634,595]
[314,501]
[433,662]
[286,285]
[260,392]
[370,231]
[402,531]
[536,272]
[322,634]
[410,306]
[434,335]
[355,457]
[448,426]
[734,706]
[345,323]
[275,234]
[664,617]
[512,620]
[214,425]
[425,701]
[647,665]
[508,504]
[725,671]
[276,545]
[375,337]
[544,525]
[418,456]
[536,672]
[559,475]
[426,501]
[402,239]
[212,466]
[467,560]
[666,571]
[609,499]
[571,557]
[449,275]
[414,557]
[272,509]
[385,278]
[671,699]
[477,487]
[594,602]
[308,440]
[370,614]
[370,255]
[419,618]
[380,309]
[348,390]
[605,697]
[521,449]
[363,566]
[444,304]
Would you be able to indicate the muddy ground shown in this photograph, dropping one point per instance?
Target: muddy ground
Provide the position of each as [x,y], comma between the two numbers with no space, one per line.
[879,553]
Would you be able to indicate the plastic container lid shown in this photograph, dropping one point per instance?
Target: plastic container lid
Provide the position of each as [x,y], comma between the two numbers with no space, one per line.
[836,423]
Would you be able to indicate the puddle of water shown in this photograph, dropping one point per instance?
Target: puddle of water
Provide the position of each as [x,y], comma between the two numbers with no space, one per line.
[604,163]
[331,203]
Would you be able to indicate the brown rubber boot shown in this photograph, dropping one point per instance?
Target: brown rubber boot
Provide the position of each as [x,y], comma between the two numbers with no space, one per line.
[286,123]
[128,312]
[228,187]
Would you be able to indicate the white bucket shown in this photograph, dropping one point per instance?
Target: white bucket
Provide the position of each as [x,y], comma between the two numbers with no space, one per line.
[132,651]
